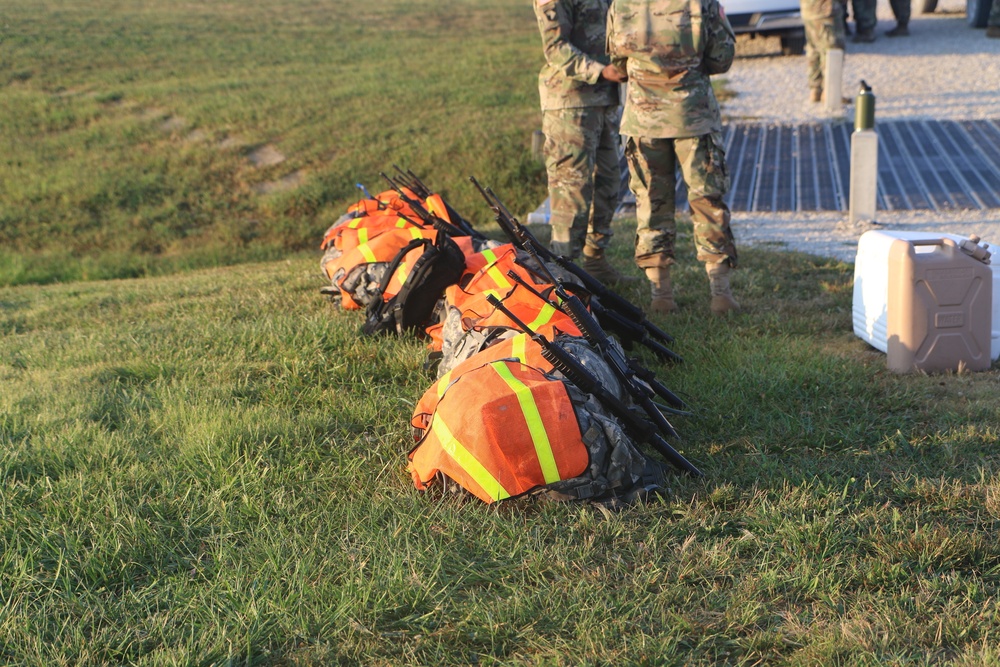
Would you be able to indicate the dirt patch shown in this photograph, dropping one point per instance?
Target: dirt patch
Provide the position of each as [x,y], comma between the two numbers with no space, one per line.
[266,156]
[289,182]
[173,124]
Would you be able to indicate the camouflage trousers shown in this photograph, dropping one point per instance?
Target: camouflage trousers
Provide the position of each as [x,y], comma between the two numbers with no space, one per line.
[994,18]
[582,162]
[822,34]
[653,169]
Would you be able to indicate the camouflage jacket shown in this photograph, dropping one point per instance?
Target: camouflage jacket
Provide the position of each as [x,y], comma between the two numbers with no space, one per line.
[573,41]
[669,48]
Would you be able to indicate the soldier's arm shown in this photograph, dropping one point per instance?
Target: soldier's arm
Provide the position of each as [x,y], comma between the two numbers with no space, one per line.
[618,60]
[555,22]
[720,43]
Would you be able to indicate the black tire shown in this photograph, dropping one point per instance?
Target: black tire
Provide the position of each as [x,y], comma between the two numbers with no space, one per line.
[793,46]
[927,6]
[977,12]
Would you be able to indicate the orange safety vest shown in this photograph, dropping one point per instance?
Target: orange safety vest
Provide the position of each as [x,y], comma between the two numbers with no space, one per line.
[354,232]
[384,201]
[519,347]
[501,430]
[382,248]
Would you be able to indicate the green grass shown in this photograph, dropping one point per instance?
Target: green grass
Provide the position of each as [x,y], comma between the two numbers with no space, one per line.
[210,468]
[130,129]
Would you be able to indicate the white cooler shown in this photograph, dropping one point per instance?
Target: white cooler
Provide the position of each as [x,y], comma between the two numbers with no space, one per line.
[871,285]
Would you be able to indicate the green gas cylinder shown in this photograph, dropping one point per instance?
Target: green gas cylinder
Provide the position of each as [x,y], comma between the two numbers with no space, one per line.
[864,108]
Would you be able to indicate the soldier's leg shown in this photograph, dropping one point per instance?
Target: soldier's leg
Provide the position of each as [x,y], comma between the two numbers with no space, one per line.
[864,17]
[703,163]
[993,22]
[607,184]
[901,10]
[571,137]
[607,180]
[652,167]
[815,57]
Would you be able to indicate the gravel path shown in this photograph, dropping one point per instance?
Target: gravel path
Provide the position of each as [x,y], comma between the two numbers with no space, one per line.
[943,70]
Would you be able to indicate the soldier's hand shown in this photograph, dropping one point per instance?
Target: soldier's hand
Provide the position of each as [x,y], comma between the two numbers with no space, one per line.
[612,73]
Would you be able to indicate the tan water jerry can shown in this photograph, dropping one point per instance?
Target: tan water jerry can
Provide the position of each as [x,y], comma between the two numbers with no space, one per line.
[939,309]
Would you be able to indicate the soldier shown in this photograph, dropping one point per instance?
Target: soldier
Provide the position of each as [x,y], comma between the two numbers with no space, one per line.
[865,20]
[668,49]
[824,24]
[580,114]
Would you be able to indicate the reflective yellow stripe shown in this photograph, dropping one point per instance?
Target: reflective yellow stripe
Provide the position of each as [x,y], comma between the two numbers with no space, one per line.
[429,205]
[353,224]
[415,232]
[467,461]
[363,235]
[367,253]
[518,347]
[533,419]
[402,275]
[442,384]
[402,222]
[493,272]
[544,315]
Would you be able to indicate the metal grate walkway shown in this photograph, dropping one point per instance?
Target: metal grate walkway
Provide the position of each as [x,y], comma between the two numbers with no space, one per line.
[922,164]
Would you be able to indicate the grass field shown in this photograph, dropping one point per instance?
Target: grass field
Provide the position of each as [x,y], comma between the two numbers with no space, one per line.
[146,137]
[208,467]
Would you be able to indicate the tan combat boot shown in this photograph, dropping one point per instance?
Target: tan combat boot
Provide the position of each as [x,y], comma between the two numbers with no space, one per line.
[722,297]
[662,291]
[597,265]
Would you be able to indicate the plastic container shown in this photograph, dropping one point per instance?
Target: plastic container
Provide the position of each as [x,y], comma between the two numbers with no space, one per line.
[871,285]
[939,307]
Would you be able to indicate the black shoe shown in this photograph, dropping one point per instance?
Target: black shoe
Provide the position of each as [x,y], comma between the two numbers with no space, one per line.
[901,30]
[864,37]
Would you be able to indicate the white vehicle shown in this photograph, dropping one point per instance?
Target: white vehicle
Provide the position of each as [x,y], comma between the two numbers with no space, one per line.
[780,18]
[976,11]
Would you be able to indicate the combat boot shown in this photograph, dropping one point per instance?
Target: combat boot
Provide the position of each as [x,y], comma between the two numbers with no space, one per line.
[662,290]
[597,265]
[722,297]
[901,30]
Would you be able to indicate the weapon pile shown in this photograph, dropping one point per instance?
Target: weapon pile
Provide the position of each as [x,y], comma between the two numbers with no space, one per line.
[532,393]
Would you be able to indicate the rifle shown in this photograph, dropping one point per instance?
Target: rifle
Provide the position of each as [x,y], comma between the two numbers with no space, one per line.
[574,371]
[627,370]
[425,216]
[618,314]
[413,182]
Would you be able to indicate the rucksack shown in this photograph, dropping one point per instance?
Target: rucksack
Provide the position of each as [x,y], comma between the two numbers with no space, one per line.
[412,285]
[501,428]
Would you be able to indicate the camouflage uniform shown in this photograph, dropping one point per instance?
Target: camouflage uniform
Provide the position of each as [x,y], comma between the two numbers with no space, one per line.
[824,24]
[672,118]
[994,19]
[580,121]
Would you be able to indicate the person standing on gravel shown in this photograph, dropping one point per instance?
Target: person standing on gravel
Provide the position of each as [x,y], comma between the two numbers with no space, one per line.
[668,49]
[580,114]
[993,22]
[901,10]
[865,20]
[824,24]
